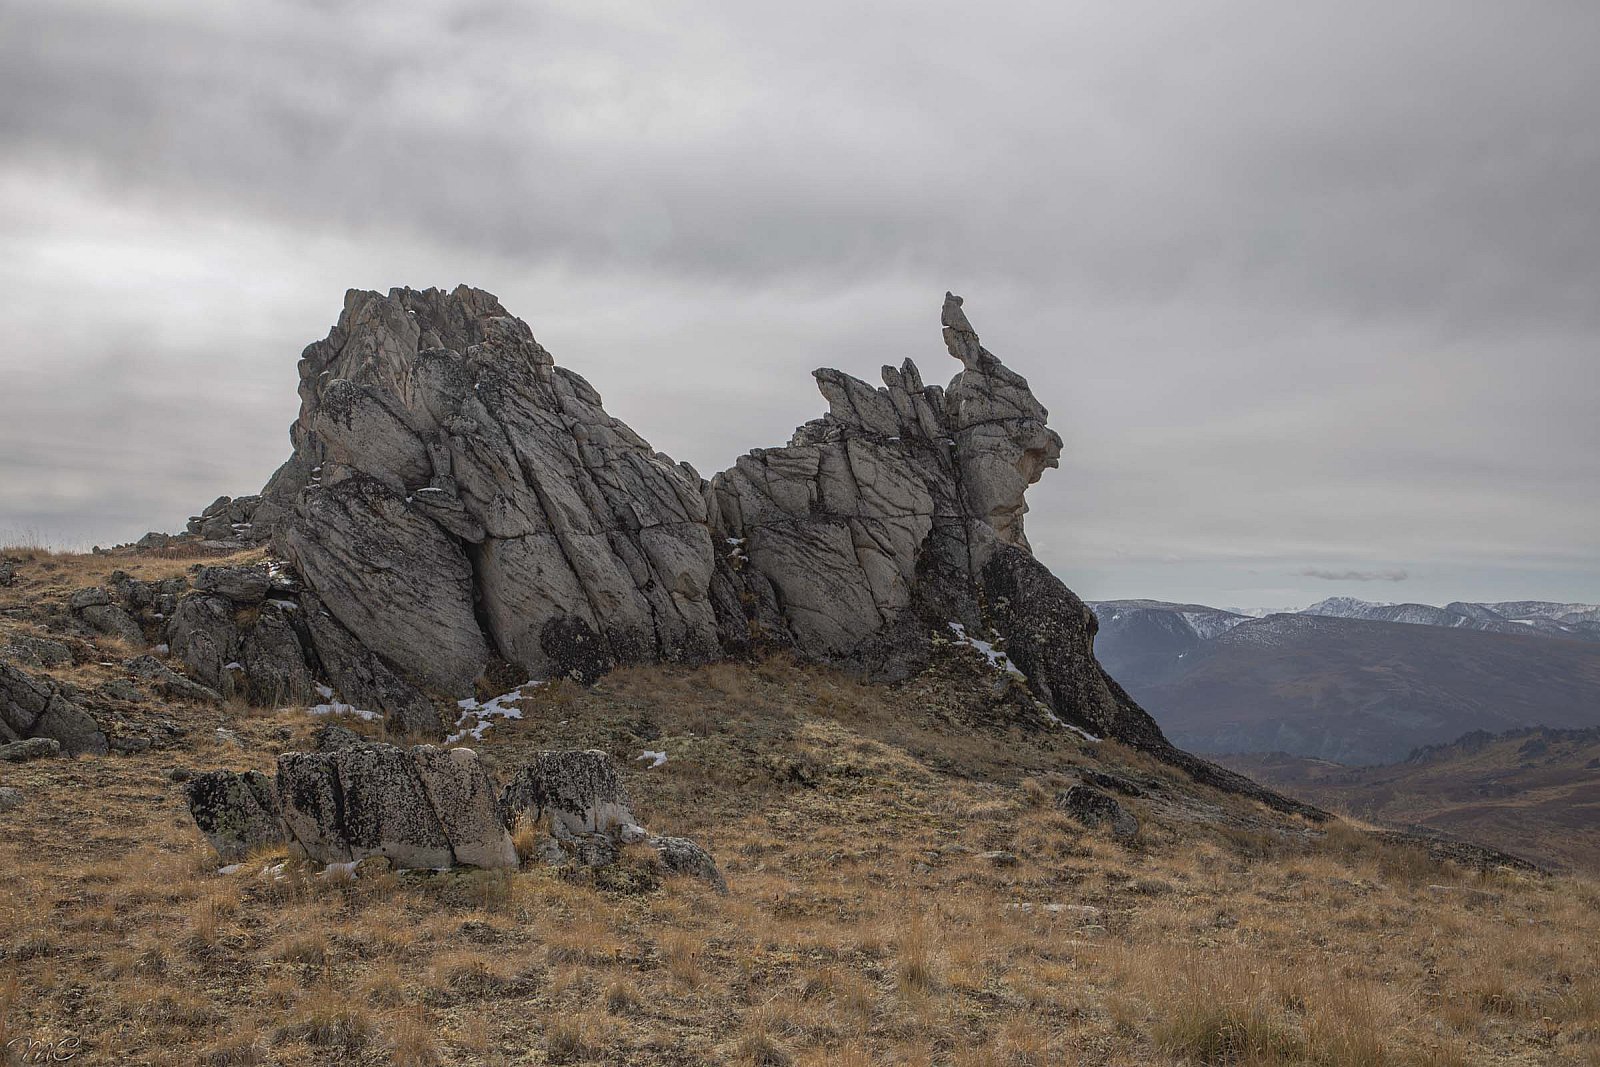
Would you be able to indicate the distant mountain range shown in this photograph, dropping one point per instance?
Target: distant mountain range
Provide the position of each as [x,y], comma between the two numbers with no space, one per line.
[1579,621]
[1534,792]
[1352,681]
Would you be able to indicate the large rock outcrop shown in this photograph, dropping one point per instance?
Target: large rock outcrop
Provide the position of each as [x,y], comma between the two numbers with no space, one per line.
[455,498]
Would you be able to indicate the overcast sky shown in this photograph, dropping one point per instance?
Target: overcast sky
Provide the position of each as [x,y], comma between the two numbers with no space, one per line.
[1311,290]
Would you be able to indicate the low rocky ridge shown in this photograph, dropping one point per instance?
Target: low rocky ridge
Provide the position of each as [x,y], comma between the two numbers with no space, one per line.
[356,801]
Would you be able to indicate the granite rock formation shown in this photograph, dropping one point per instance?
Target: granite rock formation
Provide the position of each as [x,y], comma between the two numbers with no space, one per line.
[456,500]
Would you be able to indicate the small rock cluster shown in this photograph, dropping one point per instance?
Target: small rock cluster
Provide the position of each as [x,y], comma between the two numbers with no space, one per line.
[37,706]
[428,807]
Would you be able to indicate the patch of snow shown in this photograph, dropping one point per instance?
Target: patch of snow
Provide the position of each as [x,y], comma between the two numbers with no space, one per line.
[1065,725]
[334,707]
[325,692]
[997,659]
[234,666]
[339,870]
[232,868]
[161,650]
[286,605]
[481,715]
[656,758]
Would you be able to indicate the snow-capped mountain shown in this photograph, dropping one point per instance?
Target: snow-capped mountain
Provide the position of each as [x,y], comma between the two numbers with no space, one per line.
[1549,618]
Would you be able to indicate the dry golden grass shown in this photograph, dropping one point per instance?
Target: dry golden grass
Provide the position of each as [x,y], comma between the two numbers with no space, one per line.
[863,926]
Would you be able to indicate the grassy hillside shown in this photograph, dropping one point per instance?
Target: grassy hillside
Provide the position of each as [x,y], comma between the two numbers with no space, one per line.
[1535,792]
[902,891]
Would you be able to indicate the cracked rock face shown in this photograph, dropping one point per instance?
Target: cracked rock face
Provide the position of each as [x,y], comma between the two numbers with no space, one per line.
[462,492]
[580,791]
[419,807]
[454,492]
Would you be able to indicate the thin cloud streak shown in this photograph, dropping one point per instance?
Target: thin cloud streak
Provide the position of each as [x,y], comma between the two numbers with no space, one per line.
[1354,576]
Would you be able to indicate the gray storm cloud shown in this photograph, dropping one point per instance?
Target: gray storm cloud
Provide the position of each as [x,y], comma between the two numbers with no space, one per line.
[1297,280]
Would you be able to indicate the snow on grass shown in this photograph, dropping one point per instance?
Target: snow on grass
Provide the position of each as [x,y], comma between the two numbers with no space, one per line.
[1065,725]
[331,705]
[656,758]
[477,716]
[997,659]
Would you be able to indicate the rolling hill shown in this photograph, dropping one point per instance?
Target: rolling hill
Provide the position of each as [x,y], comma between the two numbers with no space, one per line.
[1534,791]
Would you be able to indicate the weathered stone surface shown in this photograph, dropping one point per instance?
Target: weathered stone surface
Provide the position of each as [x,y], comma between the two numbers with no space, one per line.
[88,598]
[580,791]
[1094,808]
[32,748]
[466,799]
[333,738]
[392,577]
[237,813]
[679,855]
[37,707]
[380,800]
[242,585]
[169,682]
[10,798]
[202,635]
[364,679]
[886,508]
[38,651]
[275,668]
[113,621]
[454,429]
